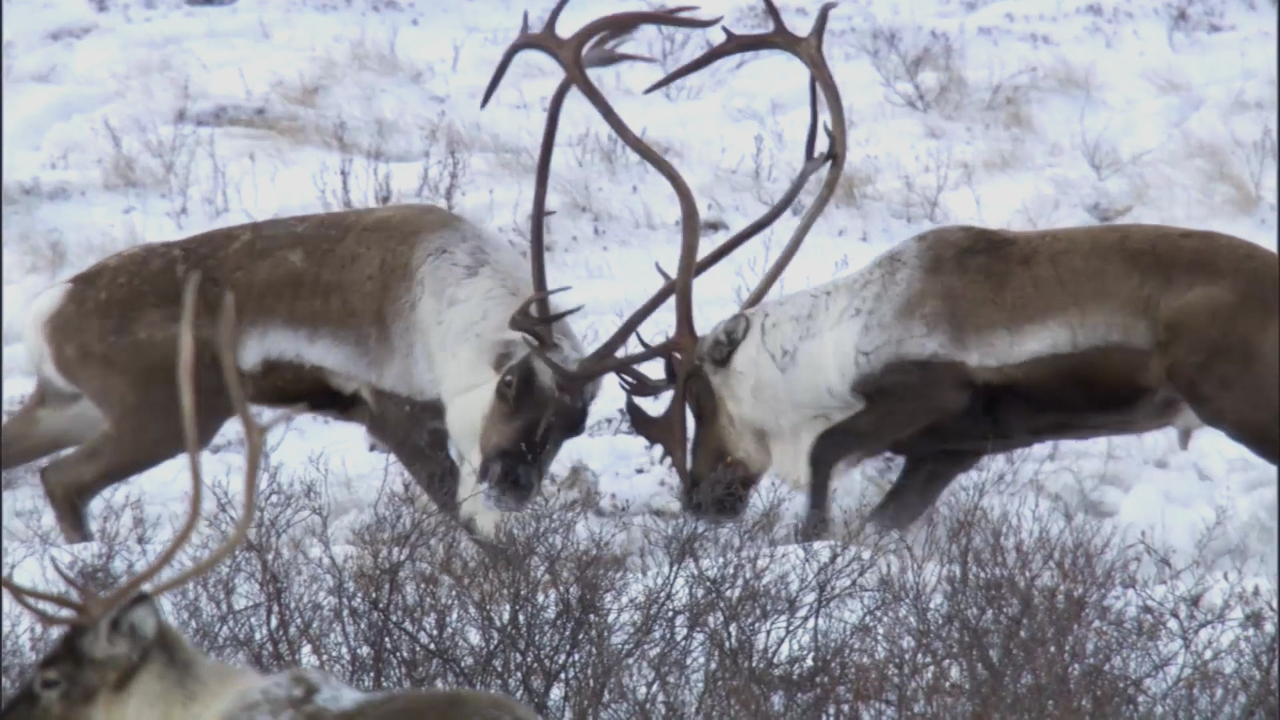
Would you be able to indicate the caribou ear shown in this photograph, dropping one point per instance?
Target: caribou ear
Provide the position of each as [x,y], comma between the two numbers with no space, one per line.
[505,353]
[126,633]
[723,341]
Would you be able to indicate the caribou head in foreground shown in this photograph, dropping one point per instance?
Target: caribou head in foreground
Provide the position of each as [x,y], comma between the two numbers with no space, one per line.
[958,343]
[417,323]
[119,659]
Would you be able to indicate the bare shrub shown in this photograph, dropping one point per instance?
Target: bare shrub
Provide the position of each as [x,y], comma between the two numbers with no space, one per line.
[985,610]
[748,274]
[1100,152]
[380,55]
[672,47]
[593,149]
[174,158]
[920,71]
[445,166]
[363,176]
[1186,18]
[149,155]
[857,182]
[1008,98]
[921,188]
[1258,158]
[1235,170]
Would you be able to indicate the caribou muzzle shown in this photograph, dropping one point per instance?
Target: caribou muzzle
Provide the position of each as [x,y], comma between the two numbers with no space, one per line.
[722,494]
[510,480]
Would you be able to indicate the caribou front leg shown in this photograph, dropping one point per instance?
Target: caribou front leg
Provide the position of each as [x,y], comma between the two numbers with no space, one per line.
[415,433]
[919,485]
[900,399]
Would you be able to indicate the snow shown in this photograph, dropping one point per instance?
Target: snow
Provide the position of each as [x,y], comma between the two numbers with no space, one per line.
[153,121]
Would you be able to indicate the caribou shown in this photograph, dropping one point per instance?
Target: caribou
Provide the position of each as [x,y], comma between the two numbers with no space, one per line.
[408,319]
[119,658]
[955,344]
[339,310]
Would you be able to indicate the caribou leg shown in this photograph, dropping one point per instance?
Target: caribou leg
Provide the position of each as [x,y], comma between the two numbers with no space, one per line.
[919,485]
[900,400]
[49,421]
[415,433]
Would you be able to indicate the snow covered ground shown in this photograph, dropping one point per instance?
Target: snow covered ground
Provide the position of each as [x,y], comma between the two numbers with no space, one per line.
[150,120]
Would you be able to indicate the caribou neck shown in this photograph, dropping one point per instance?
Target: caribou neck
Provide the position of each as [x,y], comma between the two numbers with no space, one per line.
[180,681]
[800,349]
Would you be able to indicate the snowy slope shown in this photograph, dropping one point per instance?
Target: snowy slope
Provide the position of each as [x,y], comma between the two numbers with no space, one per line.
[152,121]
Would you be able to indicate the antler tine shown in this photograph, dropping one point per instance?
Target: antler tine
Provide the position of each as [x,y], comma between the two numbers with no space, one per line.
[80,588]
[575,57]
[25,595]
[807,49]
[253,435]
[602,53]
[723,250]
[637,384]
[668,429]
[606,364]
[539,326]
[568,50]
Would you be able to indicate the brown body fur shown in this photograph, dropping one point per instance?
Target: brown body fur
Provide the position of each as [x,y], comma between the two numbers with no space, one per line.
[1211,303]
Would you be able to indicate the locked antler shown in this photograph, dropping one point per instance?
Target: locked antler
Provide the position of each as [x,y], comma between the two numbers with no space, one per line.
[592,46]
[667,430]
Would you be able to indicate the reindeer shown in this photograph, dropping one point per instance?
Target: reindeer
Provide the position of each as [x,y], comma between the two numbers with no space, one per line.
[958,343]
[120,659]
[407,319]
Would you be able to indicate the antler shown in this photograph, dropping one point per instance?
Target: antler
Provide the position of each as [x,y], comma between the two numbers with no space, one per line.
[90,608]
[678,351]
[668,429]
[592,46]
[603,361]
[808,50]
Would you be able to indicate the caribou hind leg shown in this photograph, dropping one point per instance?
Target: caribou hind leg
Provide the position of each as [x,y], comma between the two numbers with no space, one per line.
[51,420]
[1227,376]
[143,428]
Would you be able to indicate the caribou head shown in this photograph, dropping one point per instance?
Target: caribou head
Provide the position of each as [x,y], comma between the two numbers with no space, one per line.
[729,455]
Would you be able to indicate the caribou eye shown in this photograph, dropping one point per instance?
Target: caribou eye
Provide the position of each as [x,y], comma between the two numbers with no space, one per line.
[49,682]
[507,387]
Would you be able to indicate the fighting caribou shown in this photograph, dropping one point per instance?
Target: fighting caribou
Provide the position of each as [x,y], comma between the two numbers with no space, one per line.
[604,359]
[120,659]
[955,344]
[408,319]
